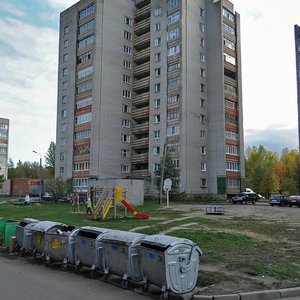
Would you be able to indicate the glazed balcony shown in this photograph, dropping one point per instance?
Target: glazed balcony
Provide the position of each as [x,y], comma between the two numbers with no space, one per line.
[140,113]
[141,99]
[230,67]
[140,158]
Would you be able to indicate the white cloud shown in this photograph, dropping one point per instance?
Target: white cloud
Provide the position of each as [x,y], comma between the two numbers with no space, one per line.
[28,86]
[12,9]
[61,4]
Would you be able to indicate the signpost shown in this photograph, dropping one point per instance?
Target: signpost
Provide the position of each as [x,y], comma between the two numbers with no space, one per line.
[167,188]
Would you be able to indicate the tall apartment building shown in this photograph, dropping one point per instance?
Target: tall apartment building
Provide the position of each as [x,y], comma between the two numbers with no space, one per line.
[4,131]
[297,50]
[137,77]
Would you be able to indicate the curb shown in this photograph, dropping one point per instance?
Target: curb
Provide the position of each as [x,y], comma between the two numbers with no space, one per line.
[258,295]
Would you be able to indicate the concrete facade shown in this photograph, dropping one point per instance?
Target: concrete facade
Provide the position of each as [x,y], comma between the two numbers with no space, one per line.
[141,78]
[4,137]
[297,51]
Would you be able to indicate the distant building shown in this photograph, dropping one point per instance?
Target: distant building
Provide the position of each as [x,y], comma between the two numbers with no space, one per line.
[142,77]
[297,44]
[4,133]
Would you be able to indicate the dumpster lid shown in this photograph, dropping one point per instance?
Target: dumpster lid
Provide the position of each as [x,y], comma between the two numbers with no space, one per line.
[28,220]
[124,237]
[93,229]
[162,240]
[46,225]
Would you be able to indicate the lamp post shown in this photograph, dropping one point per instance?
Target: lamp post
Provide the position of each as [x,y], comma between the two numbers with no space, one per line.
[40,190]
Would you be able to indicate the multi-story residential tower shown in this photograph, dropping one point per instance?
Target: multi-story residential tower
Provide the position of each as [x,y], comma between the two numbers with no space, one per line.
[297,44]
[4,131]
[141,78]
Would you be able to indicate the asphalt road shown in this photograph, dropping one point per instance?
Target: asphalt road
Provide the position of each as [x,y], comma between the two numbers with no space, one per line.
[26,279]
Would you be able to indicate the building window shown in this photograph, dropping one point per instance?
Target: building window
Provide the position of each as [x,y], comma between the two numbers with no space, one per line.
[127,64]
[201,27]
[156,167]
[173,115]
[157,72]
[125,138]
[64,99]
[65,57]
[175,163]
[66,43]
[233,150]
[173,98]
[83,102]
[232,135]
[84,134]
[173,130]
[87,86]
[81,166]
[128,21]
[125,168]
[85,57]
[229,59]
[228,29]
[157,57]
[201,12]
[156,150]
[232,166]
[173,66]
[157,88]
[62,156]
[173,34]
[202,88]
[127,94]
[61,170]
[65,71]
[66,29]
[203,167]
[174,50]
[157,119]
[156,103]
[202,103]
[157,27]
[157,11]
[203,182]
[126,108]
[174,82]
[202,72]
[127,35]
[64,113]
[203,134]
[231,119]
[202,119]
[233,183]
[203,150]
[63,127]
[127,79]
[86,41]
[202,42]
[229,44]
[202,57]
[173,18]
[127,50]
[65,85]
[87,27]
[84,118]
[85,72]
[62,141]
[173,3]
[126,123]
[87,11]
[157,41]
[228,15]
[230,89]
[156,134]
[231,104]
[124,153]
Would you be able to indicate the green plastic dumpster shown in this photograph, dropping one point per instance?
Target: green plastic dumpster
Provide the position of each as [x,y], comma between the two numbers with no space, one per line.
[2,231]
[10,230]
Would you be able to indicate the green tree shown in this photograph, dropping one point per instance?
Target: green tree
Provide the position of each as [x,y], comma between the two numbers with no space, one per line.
[2,179]
[50,159]
[58,187]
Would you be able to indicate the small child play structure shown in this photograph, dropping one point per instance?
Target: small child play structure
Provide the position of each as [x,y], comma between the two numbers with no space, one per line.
[107,197]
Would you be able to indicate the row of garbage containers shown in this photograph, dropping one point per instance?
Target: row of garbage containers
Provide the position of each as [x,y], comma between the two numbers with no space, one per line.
[168,262]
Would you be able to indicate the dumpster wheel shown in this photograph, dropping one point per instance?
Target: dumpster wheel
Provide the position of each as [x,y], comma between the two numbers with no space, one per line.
[64,267]
[164,296]
[106,278]
[145,287]
[124,284]
[93,274]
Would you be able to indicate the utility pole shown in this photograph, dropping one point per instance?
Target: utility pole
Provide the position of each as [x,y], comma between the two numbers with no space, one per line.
[40,189]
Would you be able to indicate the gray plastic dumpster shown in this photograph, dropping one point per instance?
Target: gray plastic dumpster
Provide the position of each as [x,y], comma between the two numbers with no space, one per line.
[20,231]
[39,230]
[170,263]
[88,248]
[121,255]
[57,248]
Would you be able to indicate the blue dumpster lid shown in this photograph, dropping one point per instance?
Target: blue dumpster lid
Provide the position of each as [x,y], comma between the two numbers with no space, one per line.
[123,237]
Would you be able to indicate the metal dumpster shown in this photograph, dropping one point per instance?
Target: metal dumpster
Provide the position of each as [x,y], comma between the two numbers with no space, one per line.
[88,248]
[20,230]
[39,230]
[7,230]
[121,254]
[57,249]
[170,263]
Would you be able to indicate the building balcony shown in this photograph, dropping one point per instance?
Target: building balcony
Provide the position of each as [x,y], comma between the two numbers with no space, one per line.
[140,113]
[143,69]
[142,27]
[142,42]
[140,144]
[140,173]
[139,158]
[141,3]
[143,12]
[141,84]
[230,67]
[140,128]
[141,56]
[141,99]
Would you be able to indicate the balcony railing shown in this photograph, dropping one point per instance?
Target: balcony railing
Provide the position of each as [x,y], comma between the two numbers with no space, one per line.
[142,27]
[139,158]
[141,84]
[140,128]
[141,99]
[140,113]
[142,41]
[143,55]
[140,143]
[140,173]
[143,12]
[141,69]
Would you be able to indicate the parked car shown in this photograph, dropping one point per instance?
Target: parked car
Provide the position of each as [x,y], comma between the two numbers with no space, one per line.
[294,200]
[245,197]
[47,197]
[278,199]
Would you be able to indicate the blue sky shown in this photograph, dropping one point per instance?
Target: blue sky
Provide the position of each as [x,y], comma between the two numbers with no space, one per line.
[28,81]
